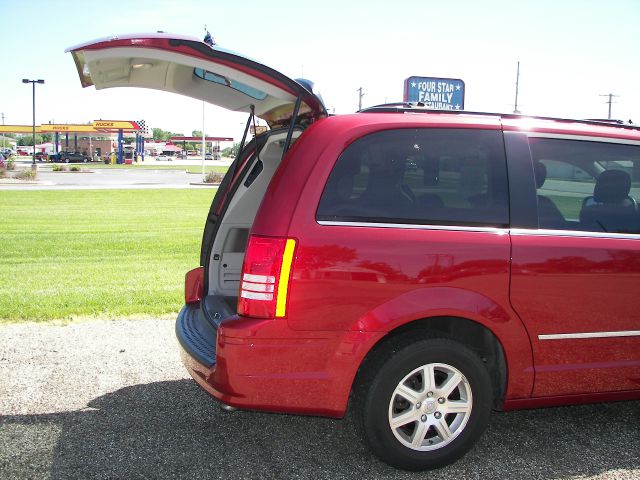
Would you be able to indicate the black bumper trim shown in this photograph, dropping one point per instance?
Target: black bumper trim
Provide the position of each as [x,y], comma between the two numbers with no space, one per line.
[196,335]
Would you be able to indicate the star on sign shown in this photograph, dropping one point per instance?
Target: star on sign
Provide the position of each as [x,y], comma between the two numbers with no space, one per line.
[413,84]
[457,107]
[457,87]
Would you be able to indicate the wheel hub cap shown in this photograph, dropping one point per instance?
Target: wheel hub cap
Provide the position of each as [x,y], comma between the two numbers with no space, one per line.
[430,407]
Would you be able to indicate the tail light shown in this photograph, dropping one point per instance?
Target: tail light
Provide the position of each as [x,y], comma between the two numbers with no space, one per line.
[193,284]
[265,277]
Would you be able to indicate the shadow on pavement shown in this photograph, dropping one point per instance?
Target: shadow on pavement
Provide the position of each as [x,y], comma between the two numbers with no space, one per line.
[174,430]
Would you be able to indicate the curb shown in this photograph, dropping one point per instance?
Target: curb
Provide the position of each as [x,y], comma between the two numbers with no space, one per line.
[20,183]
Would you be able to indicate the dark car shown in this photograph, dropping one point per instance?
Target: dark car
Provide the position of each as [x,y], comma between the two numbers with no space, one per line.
[424,268]
[72,157]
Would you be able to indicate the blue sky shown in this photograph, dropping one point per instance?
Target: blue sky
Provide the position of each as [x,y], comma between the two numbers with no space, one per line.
[570,53]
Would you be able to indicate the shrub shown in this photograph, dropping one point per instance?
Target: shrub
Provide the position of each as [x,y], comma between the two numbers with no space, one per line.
[75,168]
[3,172]
[214,177]
[58,168]
[26,174]
[10,164]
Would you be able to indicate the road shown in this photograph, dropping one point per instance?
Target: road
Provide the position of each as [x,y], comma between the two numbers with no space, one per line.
[125,178]
[109,399]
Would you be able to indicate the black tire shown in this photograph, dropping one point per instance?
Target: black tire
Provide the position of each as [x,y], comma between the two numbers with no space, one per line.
[66,160]
[377,403]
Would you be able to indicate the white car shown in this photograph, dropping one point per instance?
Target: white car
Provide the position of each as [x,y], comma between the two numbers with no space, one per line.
[164,158]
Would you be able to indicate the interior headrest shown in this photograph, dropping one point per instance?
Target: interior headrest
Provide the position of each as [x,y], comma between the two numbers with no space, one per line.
[540,172]
[612,186]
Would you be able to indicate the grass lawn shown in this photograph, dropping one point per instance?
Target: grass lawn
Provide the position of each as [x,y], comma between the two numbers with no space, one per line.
[97,253]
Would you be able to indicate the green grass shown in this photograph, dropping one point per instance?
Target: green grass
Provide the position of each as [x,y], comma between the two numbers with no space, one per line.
[103,253]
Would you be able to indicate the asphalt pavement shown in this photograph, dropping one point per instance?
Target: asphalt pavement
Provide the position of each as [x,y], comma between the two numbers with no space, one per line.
[125,178]
[110,400]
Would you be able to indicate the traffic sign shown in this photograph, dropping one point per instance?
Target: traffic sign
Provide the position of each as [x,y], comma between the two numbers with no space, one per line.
[435,93]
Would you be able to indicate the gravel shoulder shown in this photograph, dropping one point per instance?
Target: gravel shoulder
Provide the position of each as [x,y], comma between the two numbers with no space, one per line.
[110,399]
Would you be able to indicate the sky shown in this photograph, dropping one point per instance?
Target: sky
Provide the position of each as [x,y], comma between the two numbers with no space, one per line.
[570,53]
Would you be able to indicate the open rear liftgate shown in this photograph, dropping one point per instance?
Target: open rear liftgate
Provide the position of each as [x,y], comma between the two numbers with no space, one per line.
[198,323]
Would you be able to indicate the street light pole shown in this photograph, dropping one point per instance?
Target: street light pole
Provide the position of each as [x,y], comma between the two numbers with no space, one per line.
[33,82]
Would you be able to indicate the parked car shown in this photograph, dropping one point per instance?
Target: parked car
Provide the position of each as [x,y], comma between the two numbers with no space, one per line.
[424,268]
[164,158]
[41,156]
[72,157]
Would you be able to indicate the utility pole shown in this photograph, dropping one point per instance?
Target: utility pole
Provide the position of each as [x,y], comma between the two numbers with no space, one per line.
[3,139]
[33,84]
[610,101]
[515,110]
[360,95]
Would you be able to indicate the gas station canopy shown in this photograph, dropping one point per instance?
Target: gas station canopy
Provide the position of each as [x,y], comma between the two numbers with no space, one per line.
[96,127]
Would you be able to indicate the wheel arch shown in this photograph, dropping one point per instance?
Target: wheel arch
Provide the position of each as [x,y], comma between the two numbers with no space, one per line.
[470,333]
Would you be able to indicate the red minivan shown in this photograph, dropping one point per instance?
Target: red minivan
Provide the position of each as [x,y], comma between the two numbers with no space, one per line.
[423,268]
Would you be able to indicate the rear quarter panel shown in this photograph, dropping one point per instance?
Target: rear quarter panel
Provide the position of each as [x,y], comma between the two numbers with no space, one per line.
[365,279]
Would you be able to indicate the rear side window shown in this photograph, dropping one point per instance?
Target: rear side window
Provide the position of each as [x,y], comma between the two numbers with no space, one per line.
[587,186]
[421,176]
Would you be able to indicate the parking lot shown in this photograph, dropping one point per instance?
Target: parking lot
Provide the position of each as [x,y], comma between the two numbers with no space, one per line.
[110,399]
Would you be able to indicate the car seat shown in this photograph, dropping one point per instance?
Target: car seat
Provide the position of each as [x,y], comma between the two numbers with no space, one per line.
[549,215]
[611,209]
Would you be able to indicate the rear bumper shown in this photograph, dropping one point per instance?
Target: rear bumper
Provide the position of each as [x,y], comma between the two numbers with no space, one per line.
[196,335]
[264,365]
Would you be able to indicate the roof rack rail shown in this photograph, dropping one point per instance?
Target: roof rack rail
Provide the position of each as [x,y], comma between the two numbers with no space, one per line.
[404,107]
[614,121]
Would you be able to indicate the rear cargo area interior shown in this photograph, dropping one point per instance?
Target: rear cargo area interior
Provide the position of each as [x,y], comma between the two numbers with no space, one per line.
[225,262]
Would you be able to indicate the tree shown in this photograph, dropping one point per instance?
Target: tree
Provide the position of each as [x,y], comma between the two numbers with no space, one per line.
[28,140]
[160,135]
[227,152]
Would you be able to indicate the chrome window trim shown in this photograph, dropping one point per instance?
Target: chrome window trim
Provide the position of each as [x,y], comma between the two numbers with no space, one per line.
[566,336]
[411,226]
[501,231]
[584,138]
[546,232]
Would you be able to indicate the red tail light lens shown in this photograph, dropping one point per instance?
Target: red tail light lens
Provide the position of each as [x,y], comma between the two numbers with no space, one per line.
[265,277]
[193,285]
